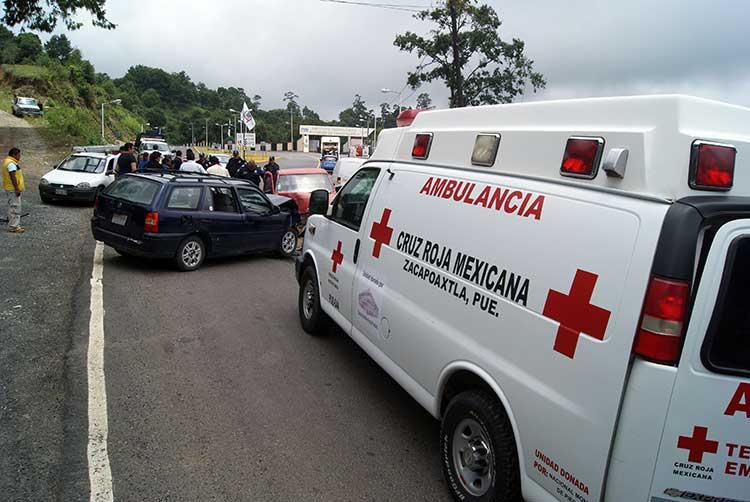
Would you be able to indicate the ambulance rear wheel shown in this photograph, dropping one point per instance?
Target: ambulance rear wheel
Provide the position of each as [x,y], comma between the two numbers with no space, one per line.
[314,321]
[478,449]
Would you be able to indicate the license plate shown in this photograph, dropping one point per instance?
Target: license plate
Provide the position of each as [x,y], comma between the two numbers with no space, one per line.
[119,219]
[61,192]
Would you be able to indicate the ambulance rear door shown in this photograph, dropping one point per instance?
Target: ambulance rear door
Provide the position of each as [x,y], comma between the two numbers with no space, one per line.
[705,449]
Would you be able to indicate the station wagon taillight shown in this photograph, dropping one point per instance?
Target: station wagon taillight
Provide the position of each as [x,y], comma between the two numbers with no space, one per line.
[421,148]
[582,156]
[151,224]
[712,166]
[660,333]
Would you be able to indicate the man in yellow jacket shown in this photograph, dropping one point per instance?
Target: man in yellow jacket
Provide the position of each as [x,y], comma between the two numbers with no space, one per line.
[14,186]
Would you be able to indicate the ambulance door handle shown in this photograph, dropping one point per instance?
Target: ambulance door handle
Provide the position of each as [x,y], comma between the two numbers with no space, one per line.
[356,250]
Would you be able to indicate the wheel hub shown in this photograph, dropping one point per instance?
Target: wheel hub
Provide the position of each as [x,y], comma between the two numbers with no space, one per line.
[473,458]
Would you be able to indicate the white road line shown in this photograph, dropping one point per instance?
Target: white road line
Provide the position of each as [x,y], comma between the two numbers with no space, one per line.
[100,475]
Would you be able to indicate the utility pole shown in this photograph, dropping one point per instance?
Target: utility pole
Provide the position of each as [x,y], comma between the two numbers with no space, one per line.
[206,133]
[192,135]
[291,128]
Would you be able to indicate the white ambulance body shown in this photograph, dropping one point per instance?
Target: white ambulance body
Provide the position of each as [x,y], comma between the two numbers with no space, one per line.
[564,284]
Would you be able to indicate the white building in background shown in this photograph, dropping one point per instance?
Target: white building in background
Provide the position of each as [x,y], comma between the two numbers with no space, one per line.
[350,136]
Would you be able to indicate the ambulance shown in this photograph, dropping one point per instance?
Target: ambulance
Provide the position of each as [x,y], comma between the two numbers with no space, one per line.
[565,285]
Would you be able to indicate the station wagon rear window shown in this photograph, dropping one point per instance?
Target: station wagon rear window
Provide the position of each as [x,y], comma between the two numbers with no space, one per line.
[133,189]
[727,346]
[184,198]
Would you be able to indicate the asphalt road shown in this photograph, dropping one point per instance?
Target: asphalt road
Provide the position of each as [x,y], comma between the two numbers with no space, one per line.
[214,392]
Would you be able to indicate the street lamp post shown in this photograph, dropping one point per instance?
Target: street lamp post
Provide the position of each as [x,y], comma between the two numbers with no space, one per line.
[385,90]
[222,126]
[113,102]
[240,128]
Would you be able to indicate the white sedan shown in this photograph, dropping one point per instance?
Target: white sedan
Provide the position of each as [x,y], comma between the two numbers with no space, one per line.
[80,177]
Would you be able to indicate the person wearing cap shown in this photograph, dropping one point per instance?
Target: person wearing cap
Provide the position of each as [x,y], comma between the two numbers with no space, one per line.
[235,163]
[216,168]
[274,168]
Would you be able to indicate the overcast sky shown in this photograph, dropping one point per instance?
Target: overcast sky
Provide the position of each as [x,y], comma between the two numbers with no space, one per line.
[327,52]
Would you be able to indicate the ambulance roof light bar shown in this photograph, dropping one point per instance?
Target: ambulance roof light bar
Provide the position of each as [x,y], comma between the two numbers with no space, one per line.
[582,156]
[406,117]
[711,166]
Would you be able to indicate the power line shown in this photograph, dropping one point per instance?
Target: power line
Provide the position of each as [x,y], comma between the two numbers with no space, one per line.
[389,6]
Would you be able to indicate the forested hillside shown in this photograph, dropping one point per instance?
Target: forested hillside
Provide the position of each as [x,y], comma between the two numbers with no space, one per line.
[72,91]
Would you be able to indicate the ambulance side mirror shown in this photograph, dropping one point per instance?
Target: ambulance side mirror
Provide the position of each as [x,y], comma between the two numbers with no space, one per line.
[319,202]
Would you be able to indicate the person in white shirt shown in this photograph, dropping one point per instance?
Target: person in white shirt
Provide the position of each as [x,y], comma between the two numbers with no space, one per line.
[216,168]
[190,165]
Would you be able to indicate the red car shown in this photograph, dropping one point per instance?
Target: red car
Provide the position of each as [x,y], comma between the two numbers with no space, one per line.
[299,183]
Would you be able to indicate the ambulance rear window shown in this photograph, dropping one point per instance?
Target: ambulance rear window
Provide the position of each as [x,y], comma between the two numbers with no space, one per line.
[727,345]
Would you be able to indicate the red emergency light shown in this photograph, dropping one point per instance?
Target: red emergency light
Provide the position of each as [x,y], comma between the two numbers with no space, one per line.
[712,166]
[660,334]
[421,148]
[406,117]
[582,156]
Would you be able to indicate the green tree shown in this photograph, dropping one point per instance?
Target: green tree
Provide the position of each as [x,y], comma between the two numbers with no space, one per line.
[355,115]
[5,36]
[291,102]
[58,47]
[43,15]
[29,45]
[11,54]
[150,98]
[388,115]
[464,49]
[424,101]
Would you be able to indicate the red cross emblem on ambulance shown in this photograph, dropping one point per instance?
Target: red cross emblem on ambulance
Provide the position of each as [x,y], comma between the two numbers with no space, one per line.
[337,257]
[576,314]
[697,444]
[381,233]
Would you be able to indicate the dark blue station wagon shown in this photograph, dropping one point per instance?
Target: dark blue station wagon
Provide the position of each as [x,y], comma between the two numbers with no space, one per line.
[188,217]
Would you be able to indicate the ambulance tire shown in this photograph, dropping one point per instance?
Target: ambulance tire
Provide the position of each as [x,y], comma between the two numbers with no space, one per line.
[478,410]
[314,321]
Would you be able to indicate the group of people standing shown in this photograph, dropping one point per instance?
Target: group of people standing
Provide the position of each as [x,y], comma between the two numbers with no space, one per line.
[265,177]
[237,167]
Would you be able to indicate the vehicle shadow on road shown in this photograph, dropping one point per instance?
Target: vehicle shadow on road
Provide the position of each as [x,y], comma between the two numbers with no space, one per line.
[165,265]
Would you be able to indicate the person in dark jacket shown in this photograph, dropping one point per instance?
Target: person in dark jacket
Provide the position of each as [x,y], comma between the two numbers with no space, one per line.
[268,181]
[154,163]
[273,167]
[177,161]
[234,164]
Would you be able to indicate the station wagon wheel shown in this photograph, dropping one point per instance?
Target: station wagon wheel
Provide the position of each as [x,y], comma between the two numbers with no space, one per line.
[478,448]
[314,321]
[190,254]
[288,244]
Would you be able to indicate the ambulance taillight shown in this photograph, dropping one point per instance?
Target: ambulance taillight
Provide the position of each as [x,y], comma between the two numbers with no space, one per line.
[660,333]
[712,166]
[582,157]
[421,148]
